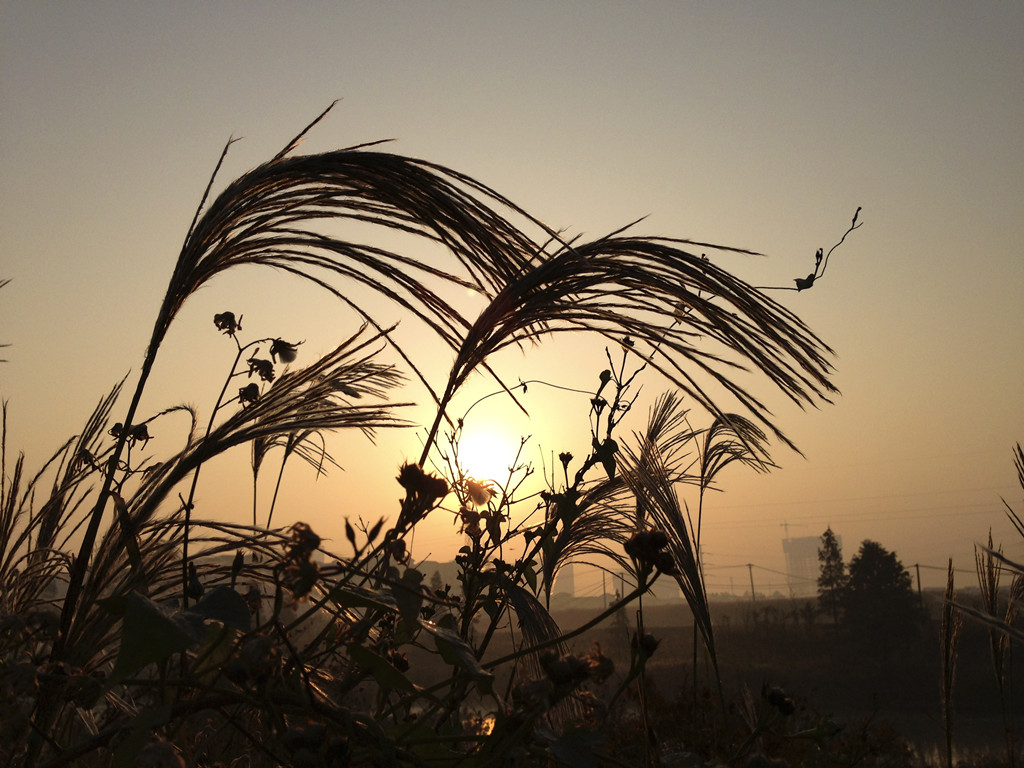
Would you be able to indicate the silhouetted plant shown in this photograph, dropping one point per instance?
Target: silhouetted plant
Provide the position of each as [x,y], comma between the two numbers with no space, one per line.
[990,570]
[184,636]
[950,626]
[832,578]
[990,564]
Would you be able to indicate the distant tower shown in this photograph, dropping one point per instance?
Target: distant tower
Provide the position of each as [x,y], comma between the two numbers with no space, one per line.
[802,565]
[565,581]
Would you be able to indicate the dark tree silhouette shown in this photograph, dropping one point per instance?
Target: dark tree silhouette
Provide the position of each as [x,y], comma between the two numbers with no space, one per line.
[436,582]
[879,604]
[832,579]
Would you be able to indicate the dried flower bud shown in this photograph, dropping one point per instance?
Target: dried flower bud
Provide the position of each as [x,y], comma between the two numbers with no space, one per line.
[301,573]
[226,322]
[647,548]
[284,350]
[665,563]
[778,699]
[416,481]
[304,542]
[646,645]
[250,394]
[396,547]
[565,670]
[479,492]
[423,492]
[139,432]
[261,367]
[470,523]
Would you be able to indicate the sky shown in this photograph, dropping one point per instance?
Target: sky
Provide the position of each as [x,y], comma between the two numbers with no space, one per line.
[757,125]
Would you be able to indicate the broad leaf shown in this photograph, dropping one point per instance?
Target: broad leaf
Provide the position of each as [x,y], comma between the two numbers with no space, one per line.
[360,597]
[388,677]
[457,652]
[150,634]
[409,597]
[225,605]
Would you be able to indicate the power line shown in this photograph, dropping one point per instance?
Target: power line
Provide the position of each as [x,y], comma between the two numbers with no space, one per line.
[957,510]
[757,505]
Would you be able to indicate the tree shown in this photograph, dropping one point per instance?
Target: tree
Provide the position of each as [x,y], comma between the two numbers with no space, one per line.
[879,604]
[437,583]
[832,579]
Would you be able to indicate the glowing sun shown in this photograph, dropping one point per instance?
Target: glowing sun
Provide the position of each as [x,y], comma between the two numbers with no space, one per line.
[486,453]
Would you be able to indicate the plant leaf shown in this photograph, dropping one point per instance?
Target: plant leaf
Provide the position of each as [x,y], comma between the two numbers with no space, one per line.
[360,597]
[150,634]
[225,605]
[456,651]
[408,594]
[388,677]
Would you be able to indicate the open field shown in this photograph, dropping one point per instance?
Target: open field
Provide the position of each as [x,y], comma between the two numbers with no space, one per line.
[781,643]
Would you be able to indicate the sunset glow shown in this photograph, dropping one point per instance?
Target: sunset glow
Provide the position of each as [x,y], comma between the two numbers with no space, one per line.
[488,453]
[755,126]
[434,384]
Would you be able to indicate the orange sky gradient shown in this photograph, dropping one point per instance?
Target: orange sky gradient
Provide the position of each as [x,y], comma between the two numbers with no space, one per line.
[762,126]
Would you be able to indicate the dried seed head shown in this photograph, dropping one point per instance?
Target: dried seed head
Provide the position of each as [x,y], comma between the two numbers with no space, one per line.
[226,322]
[420,483]
[479,492]
[648,549]
[396,547]
[777,698]
[645,645]
[284,350]
[261,367]
[249,394]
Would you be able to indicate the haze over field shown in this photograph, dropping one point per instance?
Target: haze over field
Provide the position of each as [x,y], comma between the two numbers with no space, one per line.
[762,126]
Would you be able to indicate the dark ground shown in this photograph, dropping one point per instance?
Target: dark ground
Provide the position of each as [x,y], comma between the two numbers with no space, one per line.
[784,643]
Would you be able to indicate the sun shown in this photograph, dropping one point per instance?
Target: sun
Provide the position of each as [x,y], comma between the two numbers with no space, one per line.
[487,452]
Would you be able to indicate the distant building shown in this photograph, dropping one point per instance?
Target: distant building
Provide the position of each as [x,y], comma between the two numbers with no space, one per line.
[802,565]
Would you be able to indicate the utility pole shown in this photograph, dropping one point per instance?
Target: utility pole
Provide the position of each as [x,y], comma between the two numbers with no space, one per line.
[753,594]
[787,525]
[920,597]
